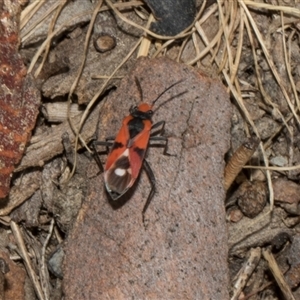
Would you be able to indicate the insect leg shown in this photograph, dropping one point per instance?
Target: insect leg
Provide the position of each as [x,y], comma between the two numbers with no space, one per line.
[164,145]
[105,143]
[160,123]
[151,177]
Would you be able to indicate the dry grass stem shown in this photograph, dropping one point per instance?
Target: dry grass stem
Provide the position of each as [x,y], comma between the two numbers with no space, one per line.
[270,61]
[284,287]
[24,254]
[288,10]
[51,27]
[74,85]
[44,268]
[146,42]
[30,10]
[245,272]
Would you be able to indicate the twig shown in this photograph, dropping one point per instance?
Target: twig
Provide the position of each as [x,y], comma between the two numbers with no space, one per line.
[74,85]
[246,272]
[23,252]
[44,270]
[285,289]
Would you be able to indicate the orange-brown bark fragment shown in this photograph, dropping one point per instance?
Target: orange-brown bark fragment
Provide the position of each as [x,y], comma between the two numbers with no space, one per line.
[19,99]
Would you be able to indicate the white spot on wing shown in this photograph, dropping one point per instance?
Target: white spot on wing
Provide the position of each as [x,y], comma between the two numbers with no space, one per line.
[120,172]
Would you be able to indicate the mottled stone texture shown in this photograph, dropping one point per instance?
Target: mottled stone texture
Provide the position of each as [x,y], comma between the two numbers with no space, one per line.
[181,250]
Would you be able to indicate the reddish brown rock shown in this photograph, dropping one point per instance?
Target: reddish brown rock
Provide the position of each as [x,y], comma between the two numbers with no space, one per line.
[287,195]
[181,253]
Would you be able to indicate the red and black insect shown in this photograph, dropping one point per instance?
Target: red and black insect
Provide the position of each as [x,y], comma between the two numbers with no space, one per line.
[127,155]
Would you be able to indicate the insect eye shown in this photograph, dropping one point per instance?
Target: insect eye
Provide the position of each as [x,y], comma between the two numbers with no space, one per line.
[150,112]
[133,109]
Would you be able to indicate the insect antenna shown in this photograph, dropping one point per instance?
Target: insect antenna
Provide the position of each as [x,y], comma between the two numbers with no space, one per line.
[162,93]
[171,97]
[139,88]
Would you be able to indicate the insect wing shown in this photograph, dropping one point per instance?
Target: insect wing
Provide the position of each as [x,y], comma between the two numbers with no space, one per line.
[118,177]
[137,152]
[124,163]
[119,145]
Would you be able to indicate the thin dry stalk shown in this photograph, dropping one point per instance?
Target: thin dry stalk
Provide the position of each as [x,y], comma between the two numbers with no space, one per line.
[24,254]
[226,30]
[44,274]
[278,169]
[239,47]
[195,42]
[51,28]
[246,272]
[29,11]
[38,23]
[284,287]
[289,10]
[258,77]
[74,85]
[287,60]
[146,42]
[183,44]
[270,61]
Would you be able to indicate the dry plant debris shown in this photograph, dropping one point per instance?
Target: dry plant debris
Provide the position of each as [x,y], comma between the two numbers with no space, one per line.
[253,46]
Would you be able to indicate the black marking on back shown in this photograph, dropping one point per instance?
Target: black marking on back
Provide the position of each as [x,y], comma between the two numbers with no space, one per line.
[135,126]
[136,113]
[140,152]
[122,163]
[116,145]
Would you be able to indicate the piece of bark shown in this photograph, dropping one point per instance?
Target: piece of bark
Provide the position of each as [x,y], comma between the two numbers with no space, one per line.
[23,188]
[58,111]
[49,144]
[29,211]
[19,99]
[181,253]
[257,232]
[14,287]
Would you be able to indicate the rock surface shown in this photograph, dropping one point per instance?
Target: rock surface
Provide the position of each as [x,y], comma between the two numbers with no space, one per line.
[180,252]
